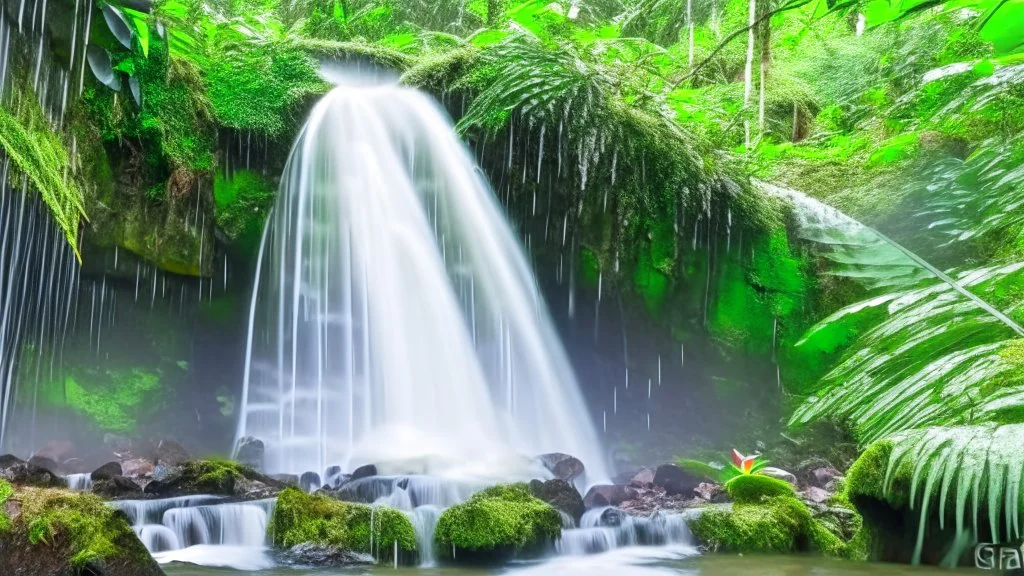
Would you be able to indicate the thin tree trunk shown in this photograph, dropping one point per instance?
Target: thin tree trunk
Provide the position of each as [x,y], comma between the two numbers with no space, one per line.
[748,73]
[766,56]
[689,25]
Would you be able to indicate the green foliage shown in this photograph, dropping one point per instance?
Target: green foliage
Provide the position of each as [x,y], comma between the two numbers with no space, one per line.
[110,398]
[6,491]
[242,203]
[699,469]
[303,518]
[754,488]
[504,519]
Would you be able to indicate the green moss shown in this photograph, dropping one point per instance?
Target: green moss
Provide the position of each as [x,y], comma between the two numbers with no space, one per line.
[39,153]
[301,518]
[754,488]
[867,477]
[6,491]
[91,530]
[242,203]
[110,398]
[503,520]
[699,469]
[590,268]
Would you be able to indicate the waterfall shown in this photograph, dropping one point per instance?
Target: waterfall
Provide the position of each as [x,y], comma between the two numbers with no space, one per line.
[202,530]
[79,482]
[394,316]
[604,529]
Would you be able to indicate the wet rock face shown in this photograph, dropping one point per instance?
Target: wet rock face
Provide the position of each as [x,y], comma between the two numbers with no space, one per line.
[559,494]
[563,466]
[364,471]
[170,453]
[138,468]
[318,556]
[642,479]
[675,480]
[250,452]
[609,495]
[309,481]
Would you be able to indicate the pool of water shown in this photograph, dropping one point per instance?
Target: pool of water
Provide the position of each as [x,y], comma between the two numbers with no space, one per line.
[622,562]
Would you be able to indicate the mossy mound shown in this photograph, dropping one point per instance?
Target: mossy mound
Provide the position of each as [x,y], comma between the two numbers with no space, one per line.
[52,531]
[754,488]
[497,523]
[776,525]
[301,518]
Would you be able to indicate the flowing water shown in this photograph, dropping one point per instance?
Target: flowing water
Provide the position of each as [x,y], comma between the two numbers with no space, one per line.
[394,316]
[629,562]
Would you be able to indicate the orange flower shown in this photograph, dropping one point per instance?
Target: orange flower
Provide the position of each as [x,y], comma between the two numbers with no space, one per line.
[744,463]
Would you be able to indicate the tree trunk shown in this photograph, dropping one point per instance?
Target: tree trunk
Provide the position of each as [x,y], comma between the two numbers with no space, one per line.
[748,73]
[766,56]
[690,27]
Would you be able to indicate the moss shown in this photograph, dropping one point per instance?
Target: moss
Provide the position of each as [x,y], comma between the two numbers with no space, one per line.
[501,521]
[699,469]
[39,153]
[91,530]
[213,476]
[753,488]
[300,518]
[242,203]
[110,398]
[867,478]
[6,491]
[781,524]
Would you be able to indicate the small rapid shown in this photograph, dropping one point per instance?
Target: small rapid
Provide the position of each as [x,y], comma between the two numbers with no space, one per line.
[607,528]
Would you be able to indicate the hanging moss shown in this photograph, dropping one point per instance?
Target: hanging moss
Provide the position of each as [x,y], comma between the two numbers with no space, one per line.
[112,399]
[242,203]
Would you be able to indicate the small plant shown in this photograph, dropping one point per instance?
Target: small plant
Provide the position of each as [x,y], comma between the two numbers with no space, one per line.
[743,465]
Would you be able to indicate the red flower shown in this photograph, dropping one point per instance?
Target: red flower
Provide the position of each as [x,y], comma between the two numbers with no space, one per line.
[744,463]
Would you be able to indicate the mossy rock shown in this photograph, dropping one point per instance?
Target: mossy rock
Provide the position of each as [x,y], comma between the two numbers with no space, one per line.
[301,518]
[754,488]
[776,525]
[495,524]
[866,479]
[58,532]
[214,477]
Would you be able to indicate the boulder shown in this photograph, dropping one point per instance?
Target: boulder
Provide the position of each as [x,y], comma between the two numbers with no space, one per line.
[28,474]
[612,517]
[117,488]
[55,451]
[137,468]
[106,472]
[83,536]
[364,471]
[311,555]
[8,460]
[333,477]
[643,479]
[250,452]
[171,453]
[608,495]
[778,474]
[214,477]
[559,494]
[562,466]
[676,480]
[286,479]
[816,495]
[821,477]
[47,463]
[309,481]
[711,492]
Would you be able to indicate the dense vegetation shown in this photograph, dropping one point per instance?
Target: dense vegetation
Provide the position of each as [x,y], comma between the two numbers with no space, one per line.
[648,128]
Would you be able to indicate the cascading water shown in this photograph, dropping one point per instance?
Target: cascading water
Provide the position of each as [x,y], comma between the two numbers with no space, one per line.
[202,530]
[394,316]
[604,529]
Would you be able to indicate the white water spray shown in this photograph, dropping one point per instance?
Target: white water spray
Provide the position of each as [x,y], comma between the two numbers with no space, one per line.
[370,355]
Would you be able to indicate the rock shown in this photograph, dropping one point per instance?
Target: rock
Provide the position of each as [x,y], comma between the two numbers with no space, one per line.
[364,471]
[55,451]
[171,453]
[333,476]
[74,466]
[47,463]
[286,479]
[612,517]
[84,536]
[8,460]
[676,480]
[608,495]
[29,474]
[778,474]
[563,466]
[711,492]
[816,495]
[214,477]
[117,488]
[309,481]
[821,477]
[559,494]
[137,468]
[834,485]
[106,472]
[250,452]
[642,479]
[313,555]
